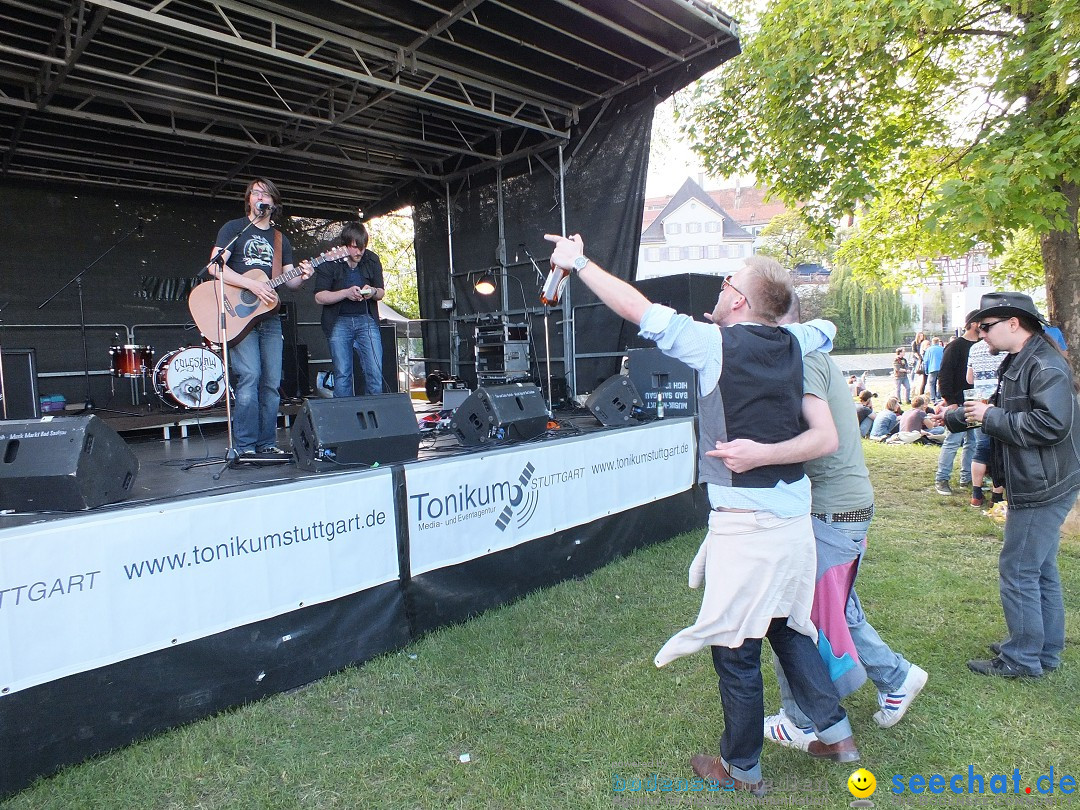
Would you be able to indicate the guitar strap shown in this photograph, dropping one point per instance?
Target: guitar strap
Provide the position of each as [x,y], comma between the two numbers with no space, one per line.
[276,270]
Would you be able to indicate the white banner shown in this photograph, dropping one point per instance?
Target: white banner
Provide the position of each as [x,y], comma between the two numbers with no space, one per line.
[465,507]
[87,591]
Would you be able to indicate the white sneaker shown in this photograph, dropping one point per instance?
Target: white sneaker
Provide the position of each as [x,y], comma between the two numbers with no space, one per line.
[779,729]
[894,705]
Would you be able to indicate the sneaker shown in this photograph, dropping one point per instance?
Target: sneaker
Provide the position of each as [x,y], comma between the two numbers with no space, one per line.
[995,648]
[1000,668]
[977,502]
[272,451]
[894,705]
[942,488]
[780,730]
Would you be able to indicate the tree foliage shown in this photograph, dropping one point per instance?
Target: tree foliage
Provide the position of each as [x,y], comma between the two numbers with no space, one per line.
[866,315]
[939,124]
[787,239]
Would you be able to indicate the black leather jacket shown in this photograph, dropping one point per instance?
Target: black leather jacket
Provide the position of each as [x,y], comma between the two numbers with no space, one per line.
[1036,426]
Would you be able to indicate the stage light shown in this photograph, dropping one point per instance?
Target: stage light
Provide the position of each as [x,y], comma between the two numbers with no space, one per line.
[485,285]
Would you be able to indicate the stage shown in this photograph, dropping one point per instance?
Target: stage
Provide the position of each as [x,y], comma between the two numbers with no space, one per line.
[211,586]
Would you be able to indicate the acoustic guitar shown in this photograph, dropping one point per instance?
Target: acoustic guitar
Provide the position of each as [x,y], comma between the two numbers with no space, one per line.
[243,309]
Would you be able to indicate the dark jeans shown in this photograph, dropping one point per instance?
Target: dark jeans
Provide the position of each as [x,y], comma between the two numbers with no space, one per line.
[739,670]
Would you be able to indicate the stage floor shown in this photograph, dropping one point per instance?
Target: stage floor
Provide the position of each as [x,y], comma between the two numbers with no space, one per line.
[193,466]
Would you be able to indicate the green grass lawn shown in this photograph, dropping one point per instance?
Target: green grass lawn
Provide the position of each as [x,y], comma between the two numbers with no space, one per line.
[552,696]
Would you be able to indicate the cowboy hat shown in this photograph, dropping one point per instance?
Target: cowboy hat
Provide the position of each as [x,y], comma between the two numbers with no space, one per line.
[1009,305]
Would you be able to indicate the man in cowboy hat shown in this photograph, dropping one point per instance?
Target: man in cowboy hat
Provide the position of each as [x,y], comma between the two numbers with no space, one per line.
[1034,420]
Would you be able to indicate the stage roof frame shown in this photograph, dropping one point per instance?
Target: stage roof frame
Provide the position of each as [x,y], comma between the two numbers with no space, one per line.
[349,105]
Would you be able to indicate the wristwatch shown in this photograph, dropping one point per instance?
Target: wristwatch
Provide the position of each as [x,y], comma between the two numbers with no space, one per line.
[579,263]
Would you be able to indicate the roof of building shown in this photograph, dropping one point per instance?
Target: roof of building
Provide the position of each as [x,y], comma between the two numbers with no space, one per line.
[746,205]
[654,230]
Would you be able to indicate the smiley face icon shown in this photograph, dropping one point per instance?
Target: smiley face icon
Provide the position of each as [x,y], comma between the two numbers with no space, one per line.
[862,784]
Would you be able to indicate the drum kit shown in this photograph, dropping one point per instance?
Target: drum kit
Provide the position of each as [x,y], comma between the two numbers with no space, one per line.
[188,378]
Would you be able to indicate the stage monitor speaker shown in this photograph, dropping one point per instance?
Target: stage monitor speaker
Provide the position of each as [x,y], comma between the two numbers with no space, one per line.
[63,464]
[497,414]
[652,372]
[330,433]
[20,384]
[615,402]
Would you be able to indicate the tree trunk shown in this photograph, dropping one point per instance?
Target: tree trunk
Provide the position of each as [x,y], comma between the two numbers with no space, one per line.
[1061,261]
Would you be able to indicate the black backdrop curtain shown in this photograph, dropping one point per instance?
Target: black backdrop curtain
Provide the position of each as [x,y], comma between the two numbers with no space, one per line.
[605,168]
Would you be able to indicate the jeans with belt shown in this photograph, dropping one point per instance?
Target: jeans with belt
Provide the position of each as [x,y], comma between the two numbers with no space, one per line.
[359,333]
[886,668]
[256,363]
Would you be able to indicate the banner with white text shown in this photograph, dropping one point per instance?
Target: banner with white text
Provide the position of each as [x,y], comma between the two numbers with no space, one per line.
[90,591]
[498,499]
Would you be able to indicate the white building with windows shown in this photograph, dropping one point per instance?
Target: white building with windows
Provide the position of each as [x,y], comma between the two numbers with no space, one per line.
[695,231]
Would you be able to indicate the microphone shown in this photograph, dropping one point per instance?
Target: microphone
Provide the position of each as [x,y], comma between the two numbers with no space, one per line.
[262,209]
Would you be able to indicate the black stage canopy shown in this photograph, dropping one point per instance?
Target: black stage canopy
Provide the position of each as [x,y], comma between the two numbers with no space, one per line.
[346,104]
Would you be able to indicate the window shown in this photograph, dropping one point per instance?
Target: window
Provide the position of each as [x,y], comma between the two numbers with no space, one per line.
[712,227]
[693,227]
[693,252]
[712,252]
[673,227]
[652,254]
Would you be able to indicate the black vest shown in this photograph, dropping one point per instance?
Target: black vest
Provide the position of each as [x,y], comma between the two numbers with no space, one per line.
[759,397]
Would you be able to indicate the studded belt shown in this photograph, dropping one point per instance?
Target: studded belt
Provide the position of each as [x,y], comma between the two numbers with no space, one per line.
[854,516]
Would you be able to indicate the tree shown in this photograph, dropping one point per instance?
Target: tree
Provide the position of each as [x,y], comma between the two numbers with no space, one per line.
[939,124]
[392,238]
[867,316]
[787,239]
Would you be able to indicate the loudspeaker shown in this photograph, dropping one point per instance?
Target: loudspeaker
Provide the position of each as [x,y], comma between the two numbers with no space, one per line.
[295,382]
[652,372]
[20,384]
[615,401]
[63,464]
[497,414]
[690,293]
[355,430]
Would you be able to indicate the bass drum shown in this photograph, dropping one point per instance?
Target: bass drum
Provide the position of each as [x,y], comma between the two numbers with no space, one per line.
[191,377]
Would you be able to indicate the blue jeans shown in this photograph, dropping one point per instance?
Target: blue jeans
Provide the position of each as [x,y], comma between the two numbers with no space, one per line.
[1031,587]
[256,364]
[947,456]
[742,698]
[887,669]
[359,332]
[931,384]
[866,425]
[903,382]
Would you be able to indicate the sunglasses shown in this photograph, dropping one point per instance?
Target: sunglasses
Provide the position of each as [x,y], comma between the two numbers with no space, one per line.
[727,283]
[987,326]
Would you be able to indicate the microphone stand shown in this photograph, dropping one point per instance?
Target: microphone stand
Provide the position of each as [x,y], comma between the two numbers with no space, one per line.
[547,337]
[88,403]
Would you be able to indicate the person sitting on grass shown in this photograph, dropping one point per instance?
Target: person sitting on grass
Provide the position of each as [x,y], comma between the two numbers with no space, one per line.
[864,412]
[887,422]
[916,424]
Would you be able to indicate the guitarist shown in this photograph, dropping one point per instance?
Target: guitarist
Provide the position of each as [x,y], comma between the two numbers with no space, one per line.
[256,360]
[349,292]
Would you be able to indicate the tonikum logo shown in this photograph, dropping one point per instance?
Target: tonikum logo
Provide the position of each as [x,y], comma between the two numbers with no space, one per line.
[522,493]
[472,501]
